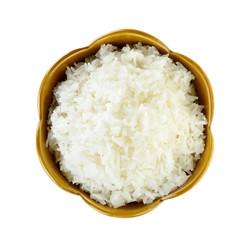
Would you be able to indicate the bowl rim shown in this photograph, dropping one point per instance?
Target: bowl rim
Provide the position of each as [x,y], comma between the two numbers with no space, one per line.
[101,208]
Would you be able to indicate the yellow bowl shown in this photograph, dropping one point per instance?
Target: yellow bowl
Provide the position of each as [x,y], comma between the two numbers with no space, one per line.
[57,73]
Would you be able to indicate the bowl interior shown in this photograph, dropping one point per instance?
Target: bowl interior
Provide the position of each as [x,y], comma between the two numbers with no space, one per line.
[57,73]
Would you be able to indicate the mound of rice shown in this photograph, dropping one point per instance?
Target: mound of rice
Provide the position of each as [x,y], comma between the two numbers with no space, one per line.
[126,126]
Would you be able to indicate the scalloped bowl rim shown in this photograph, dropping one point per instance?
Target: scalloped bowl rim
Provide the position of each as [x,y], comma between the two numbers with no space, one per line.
[130,210]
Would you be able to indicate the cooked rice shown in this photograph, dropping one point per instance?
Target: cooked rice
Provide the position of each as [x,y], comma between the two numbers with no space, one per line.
[126,126]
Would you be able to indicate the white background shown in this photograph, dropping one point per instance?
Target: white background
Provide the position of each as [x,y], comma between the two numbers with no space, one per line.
[34,34]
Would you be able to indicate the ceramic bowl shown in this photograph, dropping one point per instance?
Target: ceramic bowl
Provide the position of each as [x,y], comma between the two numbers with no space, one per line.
[57,73]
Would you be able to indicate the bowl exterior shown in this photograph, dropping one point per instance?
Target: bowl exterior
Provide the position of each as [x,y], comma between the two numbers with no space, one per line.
[57,73]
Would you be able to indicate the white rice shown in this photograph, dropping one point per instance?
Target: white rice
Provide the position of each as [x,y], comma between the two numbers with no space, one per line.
[125,125]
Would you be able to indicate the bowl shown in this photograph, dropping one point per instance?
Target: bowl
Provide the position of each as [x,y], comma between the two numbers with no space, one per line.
[57,73]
